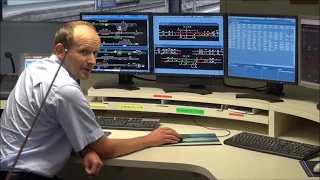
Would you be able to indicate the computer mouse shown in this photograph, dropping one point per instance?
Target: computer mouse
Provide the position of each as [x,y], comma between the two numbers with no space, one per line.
[316,168]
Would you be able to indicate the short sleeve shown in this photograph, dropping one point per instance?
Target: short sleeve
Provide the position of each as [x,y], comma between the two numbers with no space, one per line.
[76,118]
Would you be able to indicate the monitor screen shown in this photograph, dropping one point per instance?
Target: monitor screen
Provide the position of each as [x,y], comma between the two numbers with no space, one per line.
[262,48]
[188,44]
[26,59]
[309,59]
[125,42]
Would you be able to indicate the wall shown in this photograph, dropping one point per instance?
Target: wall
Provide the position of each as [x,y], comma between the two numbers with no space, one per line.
[20,37]
[25,37]
[280,7]
[18,2]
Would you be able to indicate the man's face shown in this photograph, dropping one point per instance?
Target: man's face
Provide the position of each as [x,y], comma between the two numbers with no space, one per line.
[81,57]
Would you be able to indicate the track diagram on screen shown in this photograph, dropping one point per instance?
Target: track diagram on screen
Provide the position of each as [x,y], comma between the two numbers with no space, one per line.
[188,32]
[121,59]
[122,33]
[107,65]
[193,58]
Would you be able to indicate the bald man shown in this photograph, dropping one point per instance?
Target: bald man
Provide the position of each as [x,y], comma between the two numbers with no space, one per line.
[65,123]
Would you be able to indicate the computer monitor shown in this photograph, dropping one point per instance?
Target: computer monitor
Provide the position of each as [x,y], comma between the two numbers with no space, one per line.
[309,47]
[309,59]
[263,48]
[187,46]
[125,43]
[26,59]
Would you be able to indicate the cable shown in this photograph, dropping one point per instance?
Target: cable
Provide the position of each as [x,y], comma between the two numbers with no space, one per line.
[210,128]
[35,119]
[244,87]
[145,79]
[208,89]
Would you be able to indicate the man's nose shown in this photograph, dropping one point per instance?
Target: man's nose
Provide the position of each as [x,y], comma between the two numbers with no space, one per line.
[93,59]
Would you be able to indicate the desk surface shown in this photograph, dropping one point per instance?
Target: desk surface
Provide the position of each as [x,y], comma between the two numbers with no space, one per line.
[222,161]
[215,162]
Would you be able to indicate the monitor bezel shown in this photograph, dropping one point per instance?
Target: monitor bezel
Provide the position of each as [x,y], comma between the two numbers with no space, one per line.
[263,15]
[149,39]
[22,58]
[191,75]
[303,83]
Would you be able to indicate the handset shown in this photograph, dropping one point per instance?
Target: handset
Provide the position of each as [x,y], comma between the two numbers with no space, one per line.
[9,56]
[35,119]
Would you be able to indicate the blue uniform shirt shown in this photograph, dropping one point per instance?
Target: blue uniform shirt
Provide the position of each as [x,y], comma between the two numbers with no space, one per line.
[66,121]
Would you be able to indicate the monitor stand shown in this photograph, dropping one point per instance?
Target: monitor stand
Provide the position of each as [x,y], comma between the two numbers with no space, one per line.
[272,95]
[197,89]
[125,82]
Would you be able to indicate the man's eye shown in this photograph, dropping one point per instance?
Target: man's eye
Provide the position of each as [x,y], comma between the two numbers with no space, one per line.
[84,51]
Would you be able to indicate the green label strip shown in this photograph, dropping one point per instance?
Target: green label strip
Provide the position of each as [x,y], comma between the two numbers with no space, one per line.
[190,111]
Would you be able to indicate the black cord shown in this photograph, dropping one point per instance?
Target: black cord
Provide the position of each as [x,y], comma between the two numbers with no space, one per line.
[35,119]
[208,88]
[145,79]
[13,66]
[193,119]
[210,128]
[244,87]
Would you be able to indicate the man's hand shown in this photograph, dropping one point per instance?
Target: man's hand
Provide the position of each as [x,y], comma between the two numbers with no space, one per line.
[91,162]
[162,136]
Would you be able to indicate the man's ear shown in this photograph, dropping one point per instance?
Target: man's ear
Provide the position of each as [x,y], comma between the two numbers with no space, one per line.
[59,50]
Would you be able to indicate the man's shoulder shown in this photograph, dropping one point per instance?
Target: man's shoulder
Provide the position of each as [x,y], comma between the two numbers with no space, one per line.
[45,71]
[69,89]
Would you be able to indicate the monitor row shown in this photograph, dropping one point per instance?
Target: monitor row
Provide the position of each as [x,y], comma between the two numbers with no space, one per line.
[258,47]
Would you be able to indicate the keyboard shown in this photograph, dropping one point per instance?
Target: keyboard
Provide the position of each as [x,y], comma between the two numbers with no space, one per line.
[275,146]
[125,123]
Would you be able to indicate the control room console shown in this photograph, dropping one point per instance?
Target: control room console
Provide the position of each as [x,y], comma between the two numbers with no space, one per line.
[277,117]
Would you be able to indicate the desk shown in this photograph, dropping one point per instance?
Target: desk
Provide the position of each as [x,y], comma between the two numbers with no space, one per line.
[215,162]
[277,117]
[220,162]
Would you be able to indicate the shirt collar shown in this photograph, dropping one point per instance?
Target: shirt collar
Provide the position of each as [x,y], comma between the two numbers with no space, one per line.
[57,60]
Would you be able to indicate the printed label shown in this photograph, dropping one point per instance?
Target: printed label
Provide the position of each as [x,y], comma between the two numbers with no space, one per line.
[130,107]
[98,106]
[162,96]
[236,114]
[190,111]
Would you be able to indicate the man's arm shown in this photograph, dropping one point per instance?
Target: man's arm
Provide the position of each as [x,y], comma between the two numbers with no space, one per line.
[111,148]
[91,161]
[78,122]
